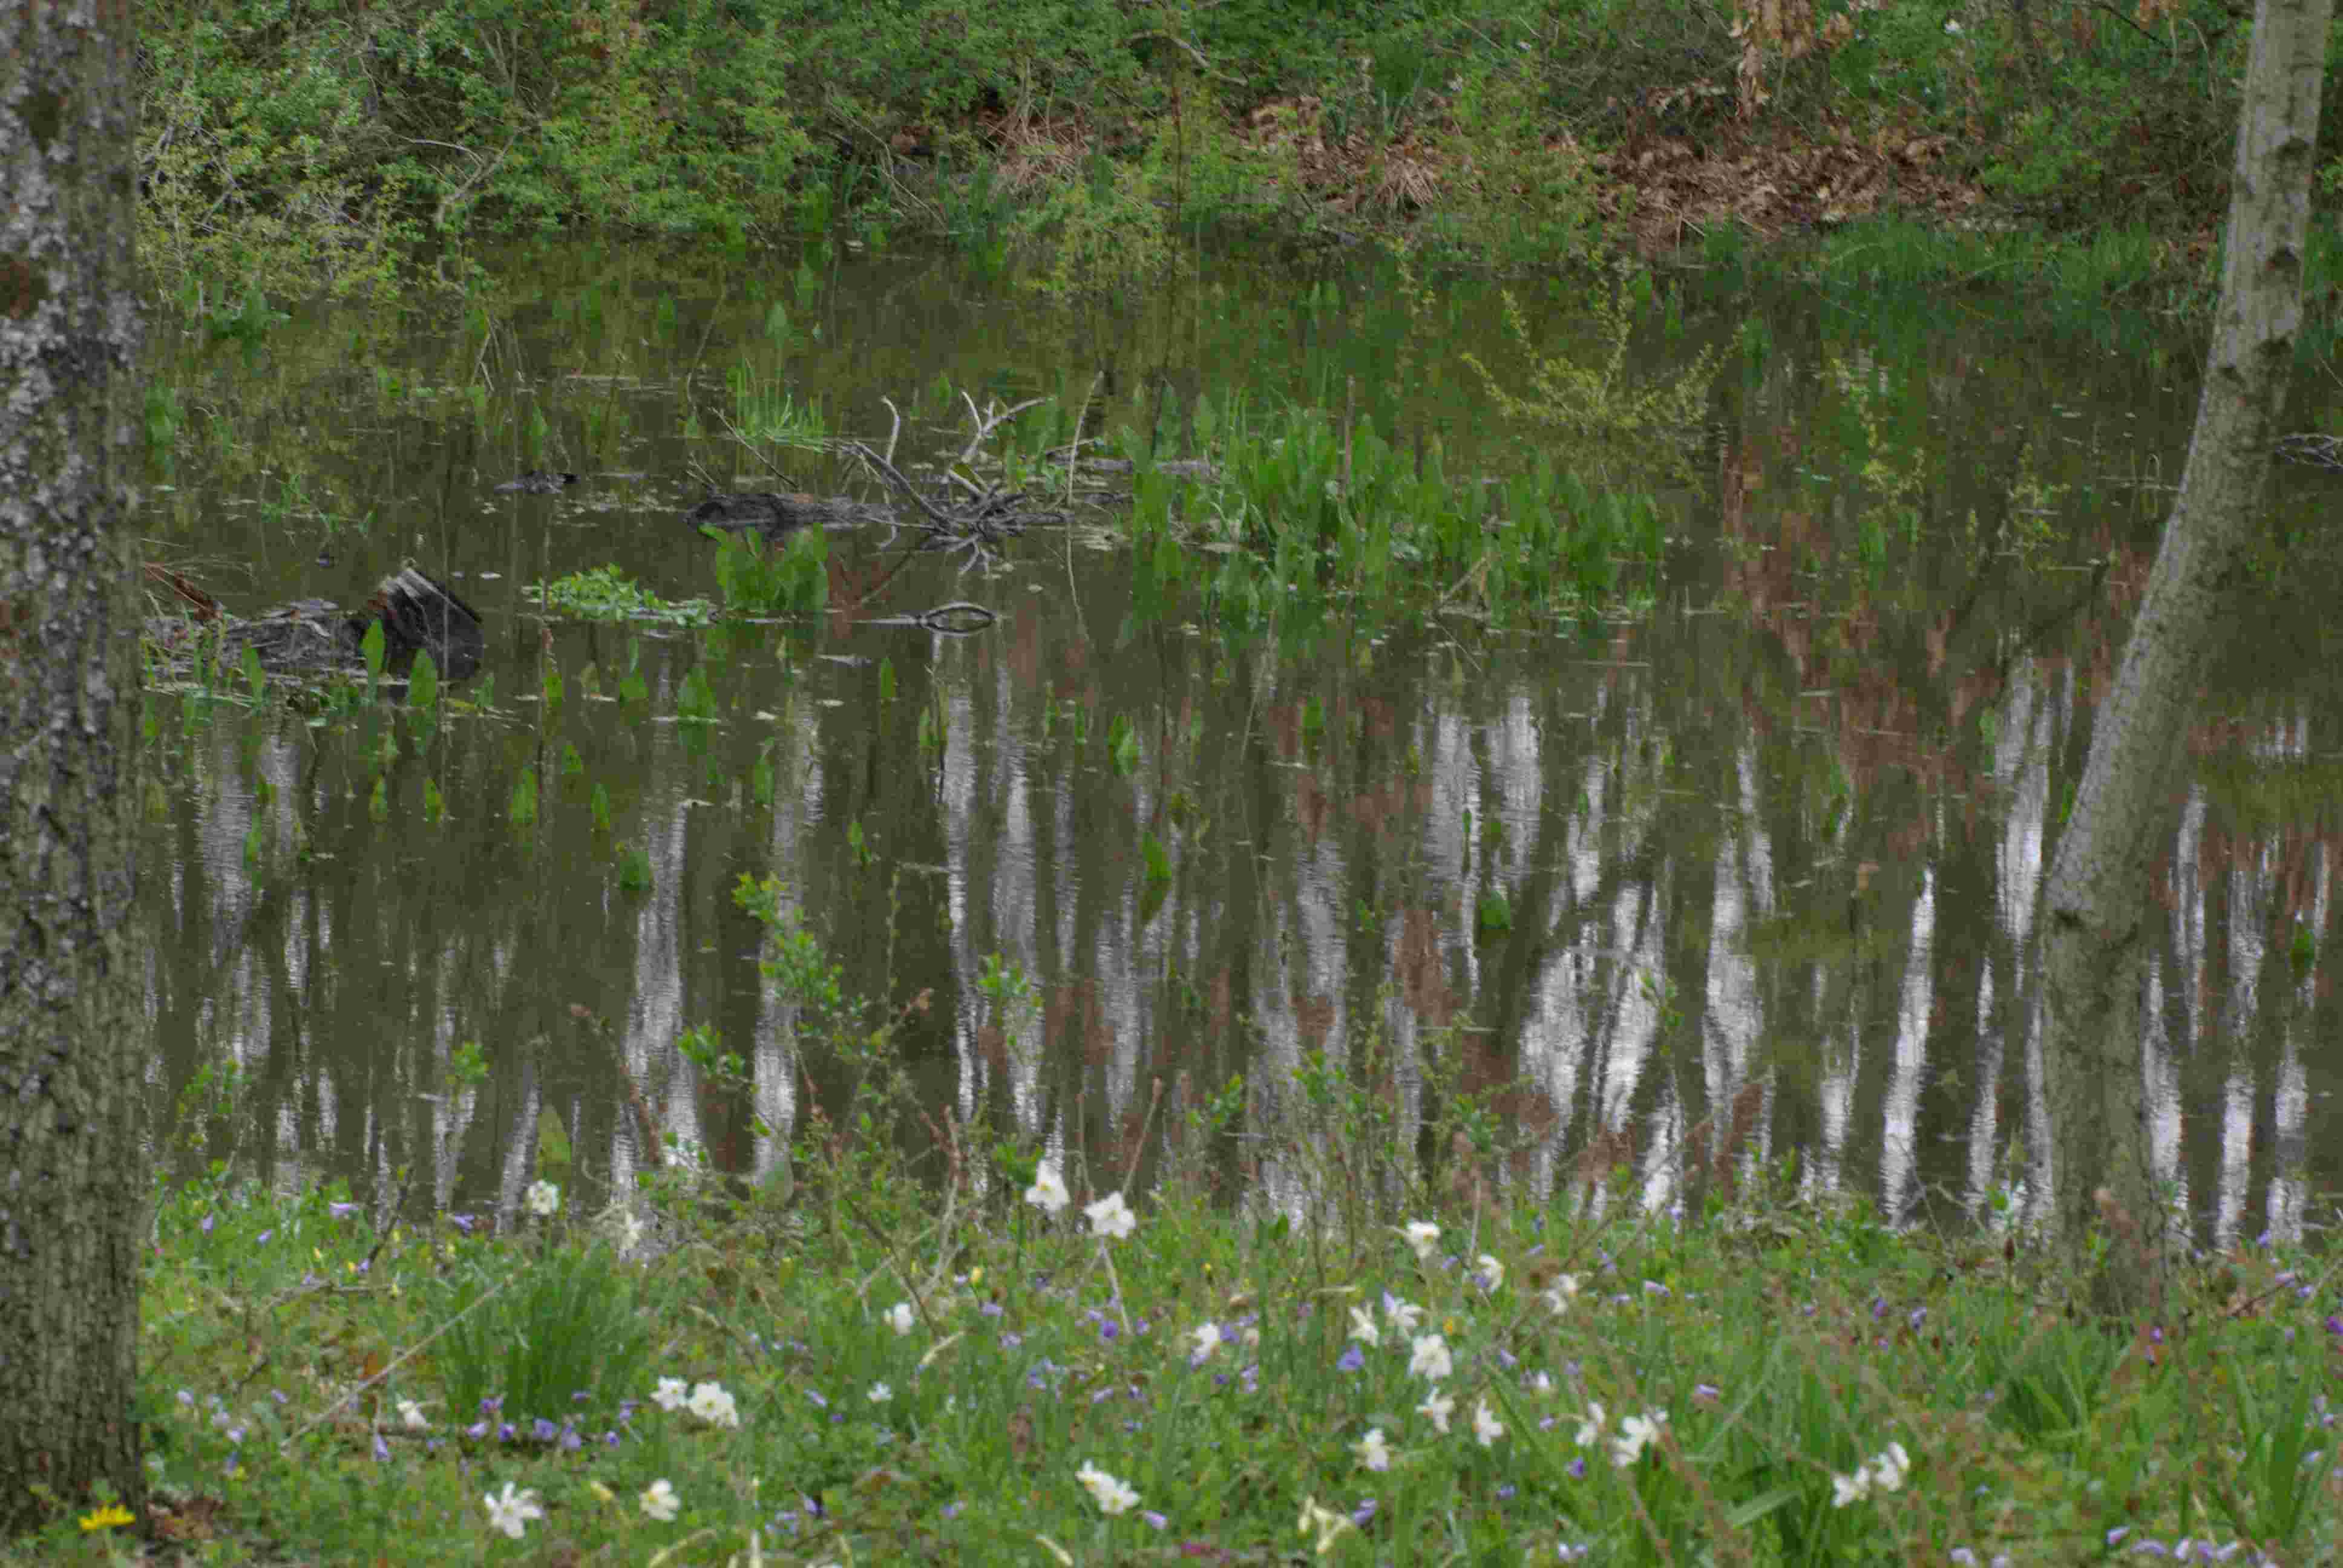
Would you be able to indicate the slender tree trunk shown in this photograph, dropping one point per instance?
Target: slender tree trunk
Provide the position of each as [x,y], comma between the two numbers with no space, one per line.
[72,1030]
[2099,907]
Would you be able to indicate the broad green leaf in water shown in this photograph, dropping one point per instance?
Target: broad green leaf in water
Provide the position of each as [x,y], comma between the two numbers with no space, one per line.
[371,645]
[423,684]
[1159,860]
[523,799]
[255,677]
[552,1143]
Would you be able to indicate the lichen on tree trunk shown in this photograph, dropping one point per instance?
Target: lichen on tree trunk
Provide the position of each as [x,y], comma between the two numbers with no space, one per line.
[2110,1214]
[72,1022]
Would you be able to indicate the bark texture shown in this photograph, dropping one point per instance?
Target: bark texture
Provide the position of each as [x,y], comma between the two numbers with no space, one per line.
[2100,897]
[72,1028]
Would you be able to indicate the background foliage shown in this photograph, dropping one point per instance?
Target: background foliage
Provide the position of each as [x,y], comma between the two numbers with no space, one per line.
[287,140]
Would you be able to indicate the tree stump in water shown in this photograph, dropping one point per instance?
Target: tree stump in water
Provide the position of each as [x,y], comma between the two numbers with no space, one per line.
[314,636]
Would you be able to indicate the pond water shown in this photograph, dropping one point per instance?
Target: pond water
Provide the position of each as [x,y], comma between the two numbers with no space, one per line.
[1763,847]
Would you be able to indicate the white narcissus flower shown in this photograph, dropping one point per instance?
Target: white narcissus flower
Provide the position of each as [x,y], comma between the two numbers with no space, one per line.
[1400,1315]
[1431,1357]
[544,1199]
[660,1502]
[902,1318]
[713,1405]
[1846,1489]
[1362,1327]
[1048,1193]
[512,1511]
[1208,1338]
[1636,1434]
[1111,1217]
[1558,1295]
[670,1394]
[1590,1431]
[1327,1522]
[880,1393]
[1485,1425]
[411,1416]
[1889,1467]
[1436,1407]
[1492,1271]
[1111,1496]
[1422,1235]
[1372,1450]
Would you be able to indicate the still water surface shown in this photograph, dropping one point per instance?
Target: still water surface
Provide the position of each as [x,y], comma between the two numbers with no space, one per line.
[1782,832]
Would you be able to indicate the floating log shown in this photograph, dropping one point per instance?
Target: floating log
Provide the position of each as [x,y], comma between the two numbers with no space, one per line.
[775,516]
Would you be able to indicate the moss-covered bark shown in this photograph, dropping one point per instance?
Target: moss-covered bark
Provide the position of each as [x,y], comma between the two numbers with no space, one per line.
[71,1022]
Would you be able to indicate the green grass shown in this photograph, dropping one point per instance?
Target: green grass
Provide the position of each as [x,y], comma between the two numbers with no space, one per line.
[917,1377]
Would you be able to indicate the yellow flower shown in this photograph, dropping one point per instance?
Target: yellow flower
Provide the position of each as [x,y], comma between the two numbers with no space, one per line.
[106,1518]
[975,1276]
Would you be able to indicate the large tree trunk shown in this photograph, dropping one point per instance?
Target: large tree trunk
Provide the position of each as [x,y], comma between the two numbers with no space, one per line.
[72,1028]
[2100,904]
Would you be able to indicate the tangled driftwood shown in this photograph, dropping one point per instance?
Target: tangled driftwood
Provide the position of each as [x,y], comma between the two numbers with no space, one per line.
[955,513]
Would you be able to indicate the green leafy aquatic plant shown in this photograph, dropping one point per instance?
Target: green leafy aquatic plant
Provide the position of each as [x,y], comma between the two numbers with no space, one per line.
[761,579]
[606,593]
[1293,508]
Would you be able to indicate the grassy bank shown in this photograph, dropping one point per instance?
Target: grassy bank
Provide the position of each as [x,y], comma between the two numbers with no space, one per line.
[867,1372]
[289,143]
[1356,1312]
